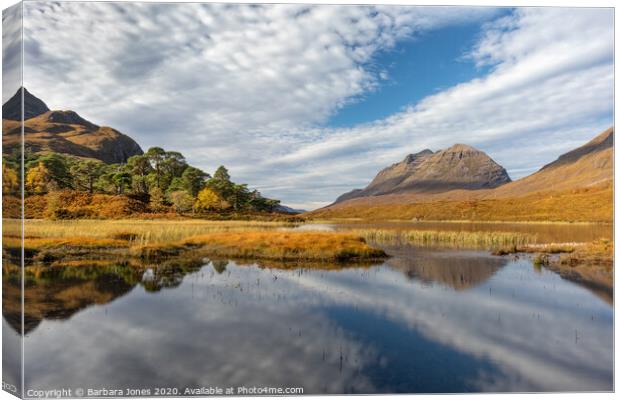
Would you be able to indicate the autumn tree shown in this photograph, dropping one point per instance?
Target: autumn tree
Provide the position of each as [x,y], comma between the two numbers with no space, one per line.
[57,167]
[157,199]
[10,180]
[181,200]
[38,179]
[210,200]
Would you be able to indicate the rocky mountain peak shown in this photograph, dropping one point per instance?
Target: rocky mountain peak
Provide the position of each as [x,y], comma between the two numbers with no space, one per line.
[458,167]
[33,106]
[413,157]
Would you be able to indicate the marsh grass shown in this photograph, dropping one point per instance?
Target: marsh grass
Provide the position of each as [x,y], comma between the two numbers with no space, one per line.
[52,240]
[327,246]
[477,240]
[598,252]
[140,232]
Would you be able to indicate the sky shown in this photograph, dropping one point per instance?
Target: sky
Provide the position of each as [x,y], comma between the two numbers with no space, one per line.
[305,102]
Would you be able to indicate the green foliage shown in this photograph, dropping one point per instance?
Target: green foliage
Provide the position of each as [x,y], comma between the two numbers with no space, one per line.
[58,167]
[139,167]
[194,180]
[85,174]
[161,178]
[121,181]
[175,185]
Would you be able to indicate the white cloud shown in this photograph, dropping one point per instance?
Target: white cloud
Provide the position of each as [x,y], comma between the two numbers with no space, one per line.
[249,86]
[11,51]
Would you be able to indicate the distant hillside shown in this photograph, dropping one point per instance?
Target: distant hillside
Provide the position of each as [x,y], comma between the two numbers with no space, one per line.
[578,186]
[458,167]
[62,132]
[586,166]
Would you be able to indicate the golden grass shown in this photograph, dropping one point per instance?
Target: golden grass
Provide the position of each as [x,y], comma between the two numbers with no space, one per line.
[140,232]
[52,240]
[487,240]
[598,252]
[583,205]
[328,246]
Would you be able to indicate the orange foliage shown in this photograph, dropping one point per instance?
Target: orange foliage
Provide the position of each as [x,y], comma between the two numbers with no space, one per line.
[11,206]
[69,204]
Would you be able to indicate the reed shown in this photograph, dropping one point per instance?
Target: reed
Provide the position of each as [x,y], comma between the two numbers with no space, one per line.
[487,240]
[141,232]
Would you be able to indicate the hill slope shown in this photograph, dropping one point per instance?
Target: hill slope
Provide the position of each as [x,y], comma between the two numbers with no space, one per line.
[62,132]
[586,166]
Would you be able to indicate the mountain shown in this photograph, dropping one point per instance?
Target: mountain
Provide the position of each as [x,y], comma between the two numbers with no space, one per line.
[578,186]
[63,132]
[32,107]
[288,210]
[457,167]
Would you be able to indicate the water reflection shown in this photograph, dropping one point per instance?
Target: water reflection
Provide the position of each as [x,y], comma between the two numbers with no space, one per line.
[467,270]
[359,329]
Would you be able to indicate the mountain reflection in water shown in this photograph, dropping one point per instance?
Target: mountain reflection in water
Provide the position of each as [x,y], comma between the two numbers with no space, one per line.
[424,321]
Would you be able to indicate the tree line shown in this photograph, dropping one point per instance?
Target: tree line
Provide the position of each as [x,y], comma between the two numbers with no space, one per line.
[161,178]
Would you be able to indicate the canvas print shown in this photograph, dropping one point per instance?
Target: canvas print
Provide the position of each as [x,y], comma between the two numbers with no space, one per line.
[294,199]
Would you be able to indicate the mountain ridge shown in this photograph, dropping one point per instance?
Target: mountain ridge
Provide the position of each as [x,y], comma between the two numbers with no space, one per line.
[62,131]
[575,186]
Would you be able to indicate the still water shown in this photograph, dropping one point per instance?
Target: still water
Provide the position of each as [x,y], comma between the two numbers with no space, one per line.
[422,321]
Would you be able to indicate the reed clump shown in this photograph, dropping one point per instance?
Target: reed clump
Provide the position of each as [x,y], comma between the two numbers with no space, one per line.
[544,248]
[486,240]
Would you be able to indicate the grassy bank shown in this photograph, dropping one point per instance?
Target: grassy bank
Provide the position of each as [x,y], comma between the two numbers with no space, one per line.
[56,240]
[328,246]
[583,205]
[598,252]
